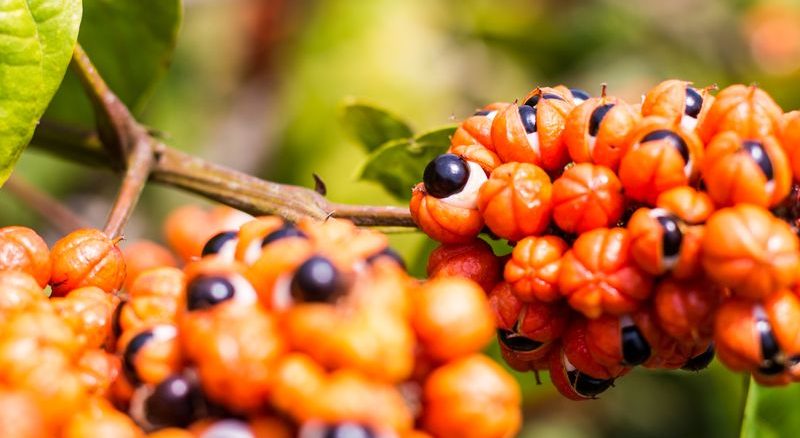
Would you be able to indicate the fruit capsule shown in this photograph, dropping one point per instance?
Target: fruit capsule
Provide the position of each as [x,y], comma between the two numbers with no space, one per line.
[685,310]
[660,155]
[750,251]
[678,101]
[305,391]
[474,260]
[572,383]
[20,416]
[86,258]
[528,329]
[759,337]
[487,407]
[99,418]
[597,130]
[452,318]
[585,197]
[188,228]
[260,231]
[477,129]
[598,275]
[790,141]
[534,132]
[661,243]
[142,255]
[19,291]
[747,110]
[153,298]
[89,311]
[615,340]
[690,205]
[532,271]
[444,205]
[576,350]
[516,201]
[21,249]
[255,427]
[741,169]
[150,354]
[98,370]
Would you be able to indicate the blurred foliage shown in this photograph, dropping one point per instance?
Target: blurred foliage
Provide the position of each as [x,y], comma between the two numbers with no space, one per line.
[281,69]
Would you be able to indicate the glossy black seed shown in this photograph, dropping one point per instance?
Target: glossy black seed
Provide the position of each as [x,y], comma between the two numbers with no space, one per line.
[129,355]
[671,237]
[447,174]
[635,349]
[535,99]
[481,113]
[390,253]
[586,385]
[756,150]
[215,244]
[173,402]
[694,102]
[349,430]
[116,325]
[577,93]
[674,138]
[528,116]
[597,116]
[316,280]
[701,361]
[285,231]
[517,342]
[205,292]
[771,368]
[769,345]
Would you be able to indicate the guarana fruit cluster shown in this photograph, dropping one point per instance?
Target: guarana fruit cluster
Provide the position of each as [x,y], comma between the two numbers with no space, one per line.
[268,329]
[651,234]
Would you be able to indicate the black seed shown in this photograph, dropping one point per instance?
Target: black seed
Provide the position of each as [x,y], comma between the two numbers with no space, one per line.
[528,116]
[701,361]
[577,93]
[205,292]
[481,113]
[769,345]
[288,230]
[694,102]
[671,237]
[674,138]
[129,356]
[586,385]
[756,150]
[771,368]
[116,325]
[316,280]
[215,244]
[535,99]
[349,430]
[517,342]
[597,116]
[635,349]
[390,253]
[173,402]
[447,174]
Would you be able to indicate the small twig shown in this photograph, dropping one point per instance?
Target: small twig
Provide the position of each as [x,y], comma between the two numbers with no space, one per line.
[140,163]
[50,209]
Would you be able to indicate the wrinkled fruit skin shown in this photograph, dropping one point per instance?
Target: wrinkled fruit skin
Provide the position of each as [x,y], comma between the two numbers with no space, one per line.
[86,258]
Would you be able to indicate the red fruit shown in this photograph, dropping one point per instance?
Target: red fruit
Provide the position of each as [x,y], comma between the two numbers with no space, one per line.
[86,258]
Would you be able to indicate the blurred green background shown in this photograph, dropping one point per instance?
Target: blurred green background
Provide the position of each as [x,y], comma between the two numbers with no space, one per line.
[258,84]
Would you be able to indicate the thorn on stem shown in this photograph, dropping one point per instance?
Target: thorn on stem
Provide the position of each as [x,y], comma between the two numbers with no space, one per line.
[319,185]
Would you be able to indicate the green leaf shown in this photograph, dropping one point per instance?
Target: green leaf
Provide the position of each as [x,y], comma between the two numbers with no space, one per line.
[438,137]
[771,412]
[372,126]
[398,164]
[36,42]
[131,43]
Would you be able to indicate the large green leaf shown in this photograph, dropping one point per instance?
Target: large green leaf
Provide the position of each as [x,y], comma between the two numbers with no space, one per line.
[131,43]
[372,126]
[398,164]
[771,412]
[36,42]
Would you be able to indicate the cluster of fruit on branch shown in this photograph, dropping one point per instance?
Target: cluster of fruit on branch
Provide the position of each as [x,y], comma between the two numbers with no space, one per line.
[646,234]
[269,329]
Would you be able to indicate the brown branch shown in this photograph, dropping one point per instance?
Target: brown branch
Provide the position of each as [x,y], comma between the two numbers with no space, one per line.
[145,158]
[55,213]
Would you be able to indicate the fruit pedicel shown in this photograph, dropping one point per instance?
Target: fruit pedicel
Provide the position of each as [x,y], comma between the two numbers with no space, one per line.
[653,234]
